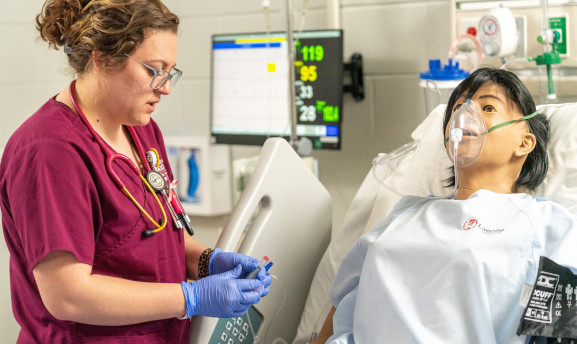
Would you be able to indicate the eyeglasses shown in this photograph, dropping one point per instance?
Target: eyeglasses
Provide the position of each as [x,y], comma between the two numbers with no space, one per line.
[160,75]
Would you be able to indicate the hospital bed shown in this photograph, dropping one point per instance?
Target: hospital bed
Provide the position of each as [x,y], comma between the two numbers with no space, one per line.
[422,173]
[285,213]
[293,225]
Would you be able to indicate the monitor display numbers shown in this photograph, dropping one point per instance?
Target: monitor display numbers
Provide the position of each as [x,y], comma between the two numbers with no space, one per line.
[312,52]
[318,69]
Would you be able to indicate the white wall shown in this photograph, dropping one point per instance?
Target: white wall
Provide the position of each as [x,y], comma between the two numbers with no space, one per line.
[396,39]
[396,45]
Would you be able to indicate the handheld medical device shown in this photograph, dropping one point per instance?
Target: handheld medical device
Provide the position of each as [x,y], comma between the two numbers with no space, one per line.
[261,264]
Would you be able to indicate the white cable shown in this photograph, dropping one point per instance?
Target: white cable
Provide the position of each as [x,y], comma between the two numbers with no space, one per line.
[304,9]
[266,11]
[255,338]
[280,307]
[456,137]
[314,333]
[265,8]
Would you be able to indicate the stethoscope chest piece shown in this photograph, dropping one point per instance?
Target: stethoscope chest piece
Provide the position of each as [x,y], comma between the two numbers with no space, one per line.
[156,180]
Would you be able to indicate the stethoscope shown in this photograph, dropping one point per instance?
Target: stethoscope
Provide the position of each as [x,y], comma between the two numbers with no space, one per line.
[154,181]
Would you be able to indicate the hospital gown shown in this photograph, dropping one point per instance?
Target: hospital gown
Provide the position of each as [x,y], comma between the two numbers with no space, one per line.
[449,271]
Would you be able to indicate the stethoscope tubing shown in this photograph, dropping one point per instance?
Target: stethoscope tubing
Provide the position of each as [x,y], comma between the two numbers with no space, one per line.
[110,155]
[108,152]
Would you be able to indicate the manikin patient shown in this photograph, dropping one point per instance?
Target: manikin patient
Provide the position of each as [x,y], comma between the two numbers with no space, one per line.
[452,270]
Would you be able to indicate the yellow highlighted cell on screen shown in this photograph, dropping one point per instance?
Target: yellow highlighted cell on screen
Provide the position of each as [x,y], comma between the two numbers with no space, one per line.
[271,67]
[259,40]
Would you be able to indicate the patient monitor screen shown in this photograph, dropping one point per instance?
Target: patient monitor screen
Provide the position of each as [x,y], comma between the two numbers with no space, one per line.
[250,87]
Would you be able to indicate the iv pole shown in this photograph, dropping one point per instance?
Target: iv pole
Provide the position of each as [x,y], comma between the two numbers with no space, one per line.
[291,71]
[304,145]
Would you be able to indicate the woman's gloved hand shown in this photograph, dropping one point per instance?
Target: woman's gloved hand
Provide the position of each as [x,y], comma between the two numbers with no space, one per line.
[221,261]
[223,295]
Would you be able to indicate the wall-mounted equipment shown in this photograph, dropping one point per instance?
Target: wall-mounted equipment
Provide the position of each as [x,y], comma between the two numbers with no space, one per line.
[357,85]
[497,33]
[250,88]
[203,173]
[543,59]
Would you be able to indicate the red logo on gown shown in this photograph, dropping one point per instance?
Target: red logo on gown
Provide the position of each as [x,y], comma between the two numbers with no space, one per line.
[470,224]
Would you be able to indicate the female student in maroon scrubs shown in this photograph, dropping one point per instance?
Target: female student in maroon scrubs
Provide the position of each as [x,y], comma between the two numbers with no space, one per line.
[81,269]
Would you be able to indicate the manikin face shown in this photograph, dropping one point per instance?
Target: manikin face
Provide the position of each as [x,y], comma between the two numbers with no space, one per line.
[129,98]
[495,108]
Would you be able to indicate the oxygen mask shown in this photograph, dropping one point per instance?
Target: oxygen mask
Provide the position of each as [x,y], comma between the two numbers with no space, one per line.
[466,134]
[428,160]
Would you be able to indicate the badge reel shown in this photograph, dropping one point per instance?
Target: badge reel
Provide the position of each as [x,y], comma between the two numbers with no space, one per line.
[157,177]
[156,181]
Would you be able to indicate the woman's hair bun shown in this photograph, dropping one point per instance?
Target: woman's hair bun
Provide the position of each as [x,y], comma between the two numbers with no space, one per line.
[57,16]
[113,28]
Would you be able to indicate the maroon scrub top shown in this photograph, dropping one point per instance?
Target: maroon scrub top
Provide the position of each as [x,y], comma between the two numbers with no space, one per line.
[57,195]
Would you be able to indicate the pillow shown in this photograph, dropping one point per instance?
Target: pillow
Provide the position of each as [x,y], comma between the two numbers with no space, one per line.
[560,184]
[422,173]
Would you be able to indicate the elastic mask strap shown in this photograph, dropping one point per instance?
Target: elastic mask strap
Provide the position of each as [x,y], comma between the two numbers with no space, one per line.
[511,122]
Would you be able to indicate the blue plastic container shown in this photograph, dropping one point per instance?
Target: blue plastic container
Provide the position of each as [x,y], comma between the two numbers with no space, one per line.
[439,82]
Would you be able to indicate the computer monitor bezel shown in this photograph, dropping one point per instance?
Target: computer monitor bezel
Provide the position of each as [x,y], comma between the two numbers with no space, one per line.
[336,87]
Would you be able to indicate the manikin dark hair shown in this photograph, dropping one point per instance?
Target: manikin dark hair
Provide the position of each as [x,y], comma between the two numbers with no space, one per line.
[535,167]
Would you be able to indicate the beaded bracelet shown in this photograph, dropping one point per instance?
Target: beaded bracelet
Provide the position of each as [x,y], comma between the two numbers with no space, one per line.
[203,263]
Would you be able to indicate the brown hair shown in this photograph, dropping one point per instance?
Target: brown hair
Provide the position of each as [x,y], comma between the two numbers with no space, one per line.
[112,27]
